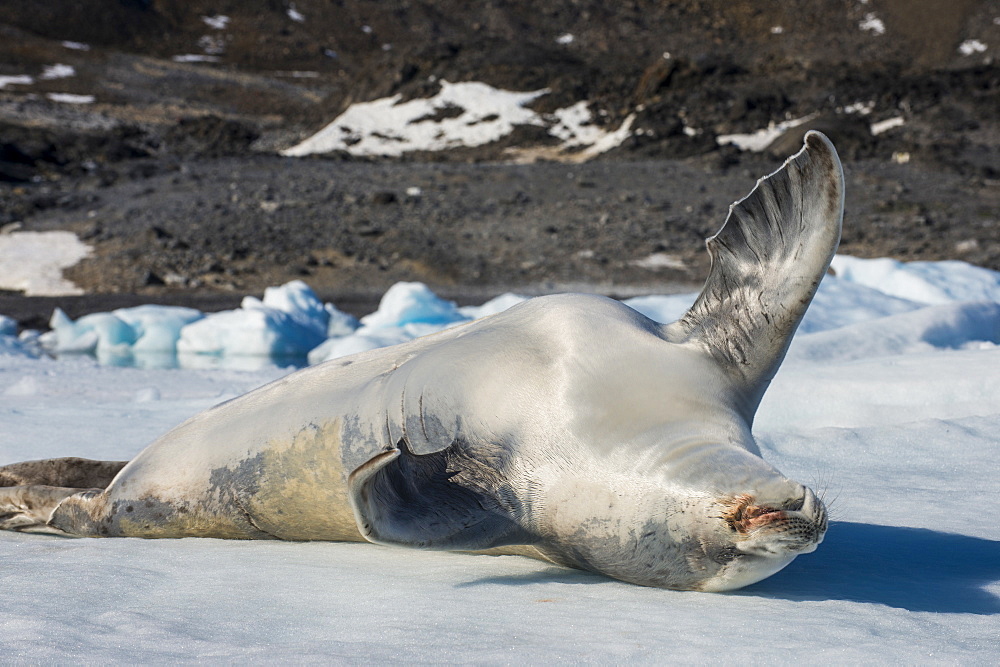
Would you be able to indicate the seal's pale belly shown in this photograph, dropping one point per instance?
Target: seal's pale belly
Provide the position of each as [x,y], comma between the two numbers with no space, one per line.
[297,490]
[293,489]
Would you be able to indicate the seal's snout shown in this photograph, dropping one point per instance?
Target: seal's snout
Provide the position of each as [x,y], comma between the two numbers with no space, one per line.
[795,524]
[765,532]
[743,513]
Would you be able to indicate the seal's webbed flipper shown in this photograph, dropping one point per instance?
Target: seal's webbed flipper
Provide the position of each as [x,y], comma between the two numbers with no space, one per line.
[767,262]
[28,509]
[427,502]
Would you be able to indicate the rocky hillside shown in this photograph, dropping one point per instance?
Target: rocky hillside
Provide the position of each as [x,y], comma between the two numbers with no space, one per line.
[126,121]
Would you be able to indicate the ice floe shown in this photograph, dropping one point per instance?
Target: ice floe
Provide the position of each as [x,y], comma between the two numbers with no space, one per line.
[898,306]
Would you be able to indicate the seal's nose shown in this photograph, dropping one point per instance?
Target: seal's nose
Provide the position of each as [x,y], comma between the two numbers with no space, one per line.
[809,502]
[816,511]
[811,517]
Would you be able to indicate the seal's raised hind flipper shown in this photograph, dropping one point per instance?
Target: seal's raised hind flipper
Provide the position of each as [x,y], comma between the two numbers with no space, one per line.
[426,501]
[767,262]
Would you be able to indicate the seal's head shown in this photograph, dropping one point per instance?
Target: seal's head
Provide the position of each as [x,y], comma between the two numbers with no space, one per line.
[758,536]
[691,540]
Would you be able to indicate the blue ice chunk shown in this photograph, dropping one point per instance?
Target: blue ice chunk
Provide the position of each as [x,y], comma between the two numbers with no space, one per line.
[408,303]
[104,332]
[157,328]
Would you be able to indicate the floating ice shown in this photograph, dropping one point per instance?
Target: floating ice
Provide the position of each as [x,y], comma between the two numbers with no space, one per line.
[9,343]
[103,332]
[144,336]
[869,307]
[406,311]
[340,323]
[411,303]
[289,322]
[247,332]
[366,339]
[299,301]
[157,328]
[840,302]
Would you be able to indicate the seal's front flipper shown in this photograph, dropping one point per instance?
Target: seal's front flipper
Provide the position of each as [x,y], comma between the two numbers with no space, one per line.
[443,500]
[32,491]
[767,262]
[28,509]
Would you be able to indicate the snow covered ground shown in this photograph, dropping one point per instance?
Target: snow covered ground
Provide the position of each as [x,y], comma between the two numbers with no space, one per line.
[32,262]
[888,403]
[468,113]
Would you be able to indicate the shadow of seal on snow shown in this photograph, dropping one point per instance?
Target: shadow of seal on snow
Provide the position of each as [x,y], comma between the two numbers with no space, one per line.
[909,568]
[550,575]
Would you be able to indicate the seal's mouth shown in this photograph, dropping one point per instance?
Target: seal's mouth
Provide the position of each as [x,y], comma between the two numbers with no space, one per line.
[743,515]
[764,536]
[792,525]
